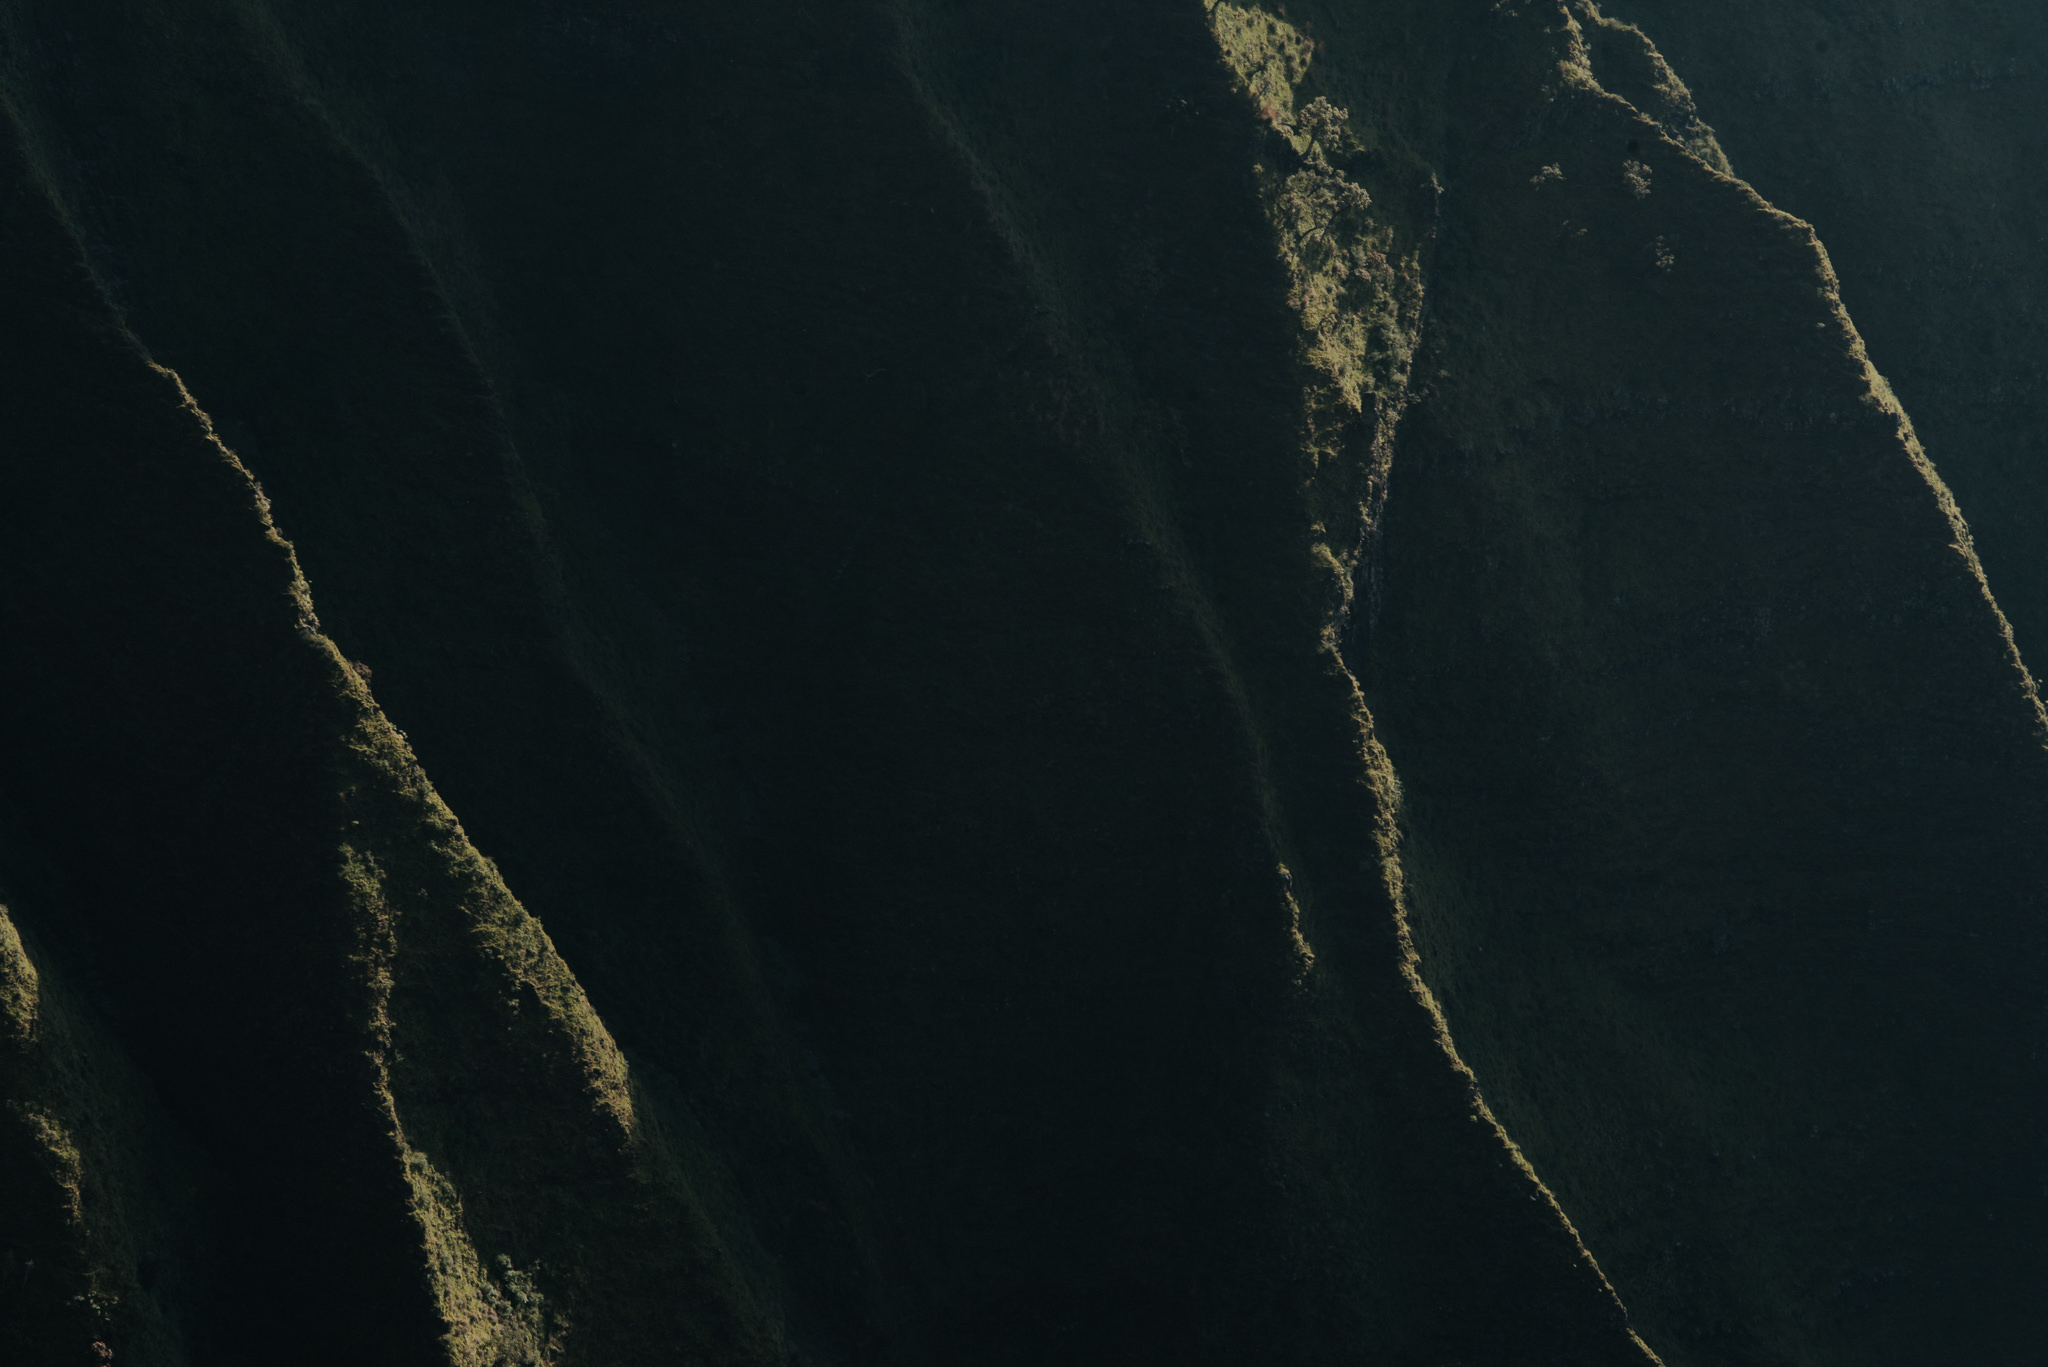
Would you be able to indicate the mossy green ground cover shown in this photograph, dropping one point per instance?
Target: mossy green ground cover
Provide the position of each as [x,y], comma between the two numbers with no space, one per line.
[885,525]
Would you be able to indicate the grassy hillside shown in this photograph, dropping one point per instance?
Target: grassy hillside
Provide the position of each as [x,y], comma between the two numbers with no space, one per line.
[1187,683]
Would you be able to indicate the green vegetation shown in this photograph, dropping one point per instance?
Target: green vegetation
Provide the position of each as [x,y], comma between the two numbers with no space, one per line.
[1160,683]
[99,1186]
[1908,134]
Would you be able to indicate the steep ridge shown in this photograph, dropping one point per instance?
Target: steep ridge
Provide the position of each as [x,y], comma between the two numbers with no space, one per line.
[105,1228]
[1909,134]
[297,945]
[1147,1102]
[1722,769]
[872,518]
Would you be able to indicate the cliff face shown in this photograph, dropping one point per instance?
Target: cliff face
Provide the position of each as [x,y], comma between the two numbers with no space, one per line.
[1908,135]
[1167,683]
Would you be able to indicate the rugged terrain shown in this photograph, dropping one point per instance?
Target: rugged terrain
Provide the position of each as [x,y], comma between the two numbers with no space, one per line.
[937,682]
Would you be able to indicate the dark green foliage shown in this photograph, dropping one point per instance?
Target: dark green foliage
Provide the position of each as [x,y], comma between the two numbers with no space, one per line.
[885,523]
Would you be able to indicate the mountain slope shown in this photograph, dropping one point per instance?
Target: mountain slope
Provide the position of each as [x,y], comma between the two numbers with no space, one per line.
[1178,684]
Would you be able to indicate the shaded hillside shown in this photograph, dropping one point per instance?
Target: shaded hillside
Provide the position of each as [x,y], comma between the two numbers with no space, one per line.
[1909,134]
[1169,684]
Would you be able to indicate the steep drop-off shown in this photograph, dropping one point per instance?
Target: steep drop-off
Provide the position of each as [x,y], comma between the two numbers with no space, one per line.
[1909,135]
[1171,683]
